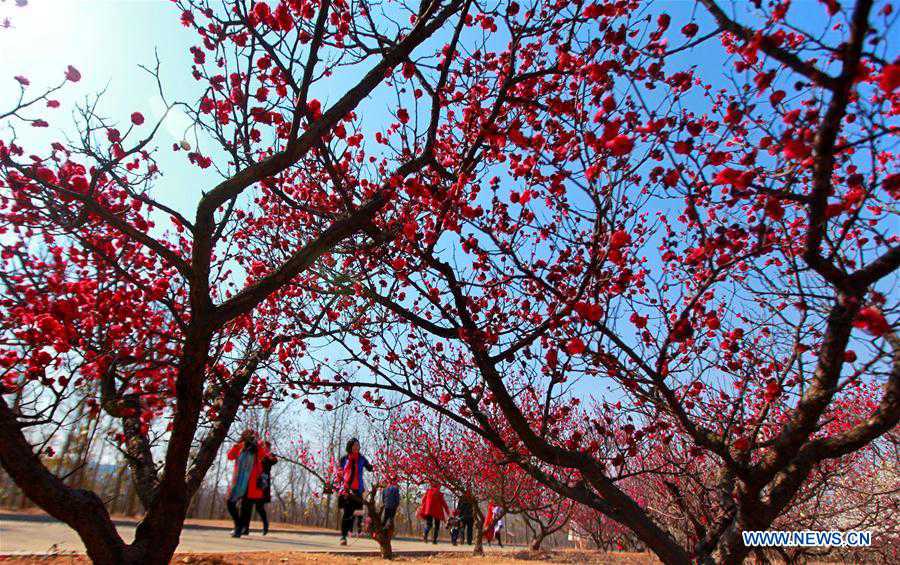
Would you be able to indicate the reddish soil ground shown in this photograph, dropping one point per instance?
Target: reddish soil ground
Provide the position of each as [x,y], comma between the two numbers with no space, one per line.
[277,558]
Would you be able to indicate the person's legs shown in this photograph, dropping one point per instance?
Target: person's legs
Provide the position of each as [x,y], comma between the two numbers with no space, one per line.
[261,510]
[389,514]
[434,533]
[428,520]
[246,512]
[470,526]
[347,520]
[235,517]
[359,525]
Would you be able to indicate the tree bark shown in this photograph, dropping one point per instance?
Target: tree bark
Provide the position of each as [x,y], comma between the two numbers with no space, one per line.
[479,531]
[537,540]
[82,510]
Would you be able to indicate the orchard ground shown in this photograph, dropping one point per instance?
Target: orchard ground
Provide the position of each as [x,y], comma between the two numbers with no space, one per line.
[32,537]
[265,558]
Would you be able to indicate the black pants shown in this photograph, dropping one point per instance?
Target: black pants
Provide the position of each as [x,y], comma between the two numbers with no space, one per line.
[388,519]
[432,523]
[347,518]
[260,506]
[242,519]
[467,524]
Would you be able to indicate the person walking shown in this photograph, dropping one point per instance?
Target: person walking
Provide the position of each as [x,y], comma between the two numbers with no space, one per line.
[433,510]
[352,467]
[453,526]
[493,524]
[264,482]
[465,507]
[390,500]
[488,532]
[498,526]
[247,454]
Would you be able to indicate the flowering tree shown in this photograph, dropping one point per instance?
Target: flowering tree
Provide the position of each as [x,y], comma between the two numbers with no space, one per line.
[332,481]
[424,450]
[589,525]
[859,493]
[705,258]
[543,510]
[595,251]
[165,321]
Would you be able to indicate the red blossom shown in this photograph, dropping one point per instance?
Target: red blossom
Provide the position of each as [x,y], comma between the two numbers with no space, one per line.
[575,346]
[619,239]
[872,320]
[889,79]
[690,30]
[620,145]
[638,321]
[72,74]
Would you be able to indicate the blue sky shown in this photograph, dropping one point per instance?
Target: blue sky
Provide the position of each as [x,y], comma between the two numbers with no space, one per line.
[105,40]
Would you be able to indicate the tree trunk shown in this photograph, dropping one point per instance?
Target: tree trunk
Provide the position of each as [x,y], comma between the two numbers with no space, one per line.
[376,527]
[80,509]
[384,545]
[537,540]
[479,531]
[731,549]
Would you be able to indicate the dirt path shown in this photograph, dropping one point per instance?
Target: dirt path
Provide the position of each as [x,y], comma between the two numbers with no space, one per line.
[40,534]
[562,557]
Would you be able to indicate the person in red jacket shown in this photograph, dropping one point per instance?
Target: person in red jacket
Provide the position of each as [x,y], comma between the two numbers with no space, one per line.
[248,455]
[488,533]
[433,510]
[264,482]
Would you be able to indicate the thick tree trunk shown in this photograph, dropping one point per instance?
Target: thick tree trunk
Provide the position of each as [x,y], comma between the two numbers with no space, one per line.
[376,527]
[384,545]
[479,531]
[158,533]
[731,548]
[82,510]
[537,540]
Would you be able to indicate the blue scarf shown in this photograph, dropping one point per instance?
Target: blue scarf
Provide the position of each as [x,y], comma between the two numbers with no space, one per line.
[244,468]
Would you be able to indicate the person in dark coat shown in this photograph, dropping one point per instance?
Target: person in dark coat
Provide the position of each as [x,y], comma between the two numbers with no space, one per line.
[453,526]
[352,467]
[265,483]
[466,518]
[390,499]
